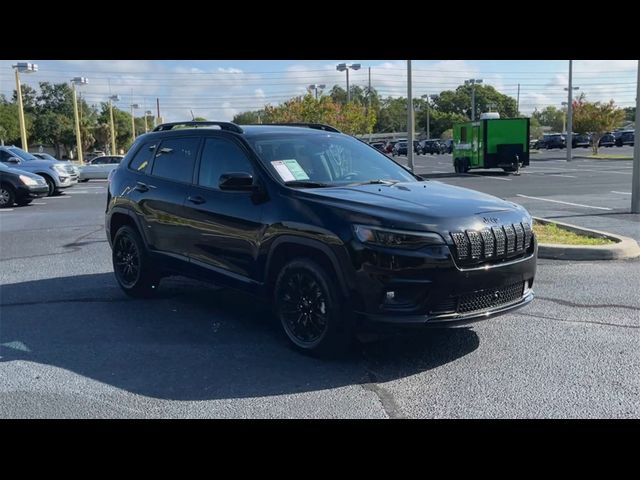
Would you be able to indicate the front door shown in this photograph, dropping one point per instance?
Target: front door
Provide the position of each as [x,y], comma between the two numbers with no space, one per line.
[225,226]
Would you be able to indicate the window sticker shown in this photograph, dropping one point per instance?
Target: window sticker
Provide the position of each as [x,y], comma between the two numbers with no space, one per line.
[289,170]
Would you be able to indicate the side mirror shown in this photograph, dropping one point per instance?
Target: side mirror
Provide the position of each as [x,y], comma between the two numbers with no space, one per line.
[15,160]
[240,181]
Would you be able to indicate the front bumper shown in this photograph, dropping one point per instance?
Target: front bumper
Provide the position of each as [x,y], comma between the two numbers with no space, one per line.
[445,320]
[32,191]
[428,288]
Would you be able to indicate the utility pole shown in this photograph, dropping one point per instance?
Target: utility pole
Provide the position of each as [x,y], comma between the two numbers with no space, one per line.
[518,102]
[428,119]
[635,176]
[159,121]
[569,138]
[473,82]
[409,118]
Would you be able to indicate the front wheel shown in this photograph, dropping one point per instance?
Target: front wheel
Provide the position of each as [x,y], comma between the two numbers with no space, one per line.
[24,202]
[131,264]
[7,196]
[311,310]
[51,185]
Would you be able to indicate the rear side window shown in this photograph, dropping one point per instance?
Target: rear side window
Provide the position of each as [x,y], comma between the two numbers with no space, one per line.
[221,156]
[175,158]
[142,159]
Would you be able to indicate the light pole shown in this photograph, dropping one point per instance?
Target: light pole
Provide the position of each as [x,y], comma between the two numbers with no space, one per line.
[426,96]
[23,67]
[134,106]
[410,129]
[569,91]
[564,117]
[343,67]
[317,87]
[147,113]
[113,98]
[635,174]
[77,81]
[473,82]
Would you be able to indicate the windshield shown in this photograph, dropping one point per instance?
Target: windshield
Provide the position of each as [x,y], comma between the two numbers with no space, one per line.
[22,154]
[326,160]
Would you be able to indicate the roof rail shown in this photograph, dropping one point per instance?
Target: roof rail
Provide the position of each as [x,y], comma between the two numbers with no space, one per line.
[317,126]
[230,126]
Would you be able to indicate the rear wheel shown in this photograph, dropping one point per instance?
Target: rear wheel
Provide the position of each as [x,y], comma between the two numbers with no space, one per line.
[310,309]
[131,264]
[7,196]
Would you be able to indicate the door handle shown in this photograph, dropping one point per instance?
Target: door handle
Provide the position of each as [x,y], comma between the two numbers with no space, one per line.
[198,200]
[143,187]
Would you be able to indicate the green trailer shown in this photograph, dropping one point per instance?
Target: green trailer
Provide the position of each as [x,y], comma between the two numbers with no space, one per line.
[491,143]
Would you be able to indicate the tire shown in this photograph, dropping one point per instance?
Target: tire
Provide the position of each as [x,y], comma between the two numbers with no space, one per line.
[84,180]
[24,202]
[7,196]
[131,264]
[51,184]
[463,165]
[311,311]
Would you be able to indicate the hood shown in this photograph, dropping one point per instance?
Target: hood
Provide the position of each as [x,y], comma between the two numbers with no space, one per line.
[18,171]
[36,164]
[429,204]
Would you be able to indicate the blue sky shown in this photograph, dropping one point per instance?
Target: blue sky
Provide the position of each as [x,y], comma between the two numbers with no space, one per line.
[220,89]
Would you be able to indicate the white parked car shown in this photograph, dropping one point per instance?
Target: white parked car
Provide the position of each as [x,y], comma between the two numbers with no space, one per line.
[99,167]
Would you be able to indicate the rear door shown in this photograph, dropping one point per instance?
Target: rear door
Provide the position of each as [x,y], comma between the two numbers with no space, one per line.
[163,193]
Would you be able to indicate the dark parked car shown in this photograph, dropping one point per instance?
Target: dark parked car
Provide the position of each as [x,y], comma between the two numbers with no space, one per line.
[331,231]
[625,138]
[581,140]
[379,146]
[432,147]
[18,186]
[553,140]
[399,148]
[607,140]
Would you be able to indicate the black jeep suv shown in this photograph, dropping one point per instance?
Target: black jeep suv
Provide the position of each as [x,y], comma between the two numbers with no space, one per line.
[334,233]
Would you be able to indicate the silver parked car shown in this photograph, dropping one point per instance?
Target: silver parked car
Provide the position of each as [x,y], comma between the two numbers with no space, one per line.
[99,167]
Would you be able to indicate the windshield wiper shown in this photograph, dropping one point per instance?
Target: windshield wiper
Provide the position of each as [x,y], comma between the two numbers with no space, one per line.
[376,182]
[305,184]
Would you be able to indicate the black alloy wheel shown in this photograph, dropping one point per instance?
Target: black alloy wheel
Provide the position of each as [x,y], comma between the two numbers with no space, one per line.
[310,309]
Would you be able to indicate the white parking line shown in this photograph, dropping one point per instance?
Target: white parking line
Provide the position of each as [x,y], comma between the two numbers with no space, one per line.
[38,203]
[58,198]
[487,176]
[6,209]
[621,193]
[438,171]
[601,170]
[566,203]
[560,175]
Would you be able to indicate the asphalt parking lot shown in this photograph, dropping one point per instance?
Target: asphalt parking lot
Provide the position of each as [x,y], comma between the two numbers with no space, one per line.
[73,345]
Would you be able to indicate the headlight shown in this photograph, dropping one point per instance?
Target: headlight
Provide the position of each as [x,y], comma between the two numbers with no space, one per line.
[28,180]
[60,168]
[396,238]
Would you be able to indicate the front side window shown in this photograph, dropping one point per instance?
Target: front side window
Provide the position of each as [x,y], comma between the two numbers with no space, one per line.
[175,159]
[330,159]
[219,156]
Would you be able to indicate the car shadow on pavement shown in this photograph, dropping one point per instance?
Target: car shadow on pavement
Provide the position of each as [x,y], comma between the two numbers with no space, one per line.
[193,341]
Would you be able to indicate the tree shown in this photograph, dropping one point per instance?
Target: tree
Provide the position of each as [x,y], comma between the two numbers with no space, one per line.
[630,114]
[122,126]
[55,129]
[392,116]
[550,117]
[596,118]
[9,124]
[439,122]
[29,98]
[487,99]
[248,118]
[350,118]
[199,119]
[535,129]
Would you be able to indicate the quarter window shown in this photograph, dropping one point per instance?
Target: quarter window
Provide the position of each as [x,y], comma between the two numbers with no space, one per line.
[142,158]
[175,159]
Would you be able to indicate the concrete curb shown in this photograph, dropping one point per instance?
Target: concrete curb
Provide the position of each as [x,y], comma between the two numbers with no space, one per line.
[623,249]
[585,157]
